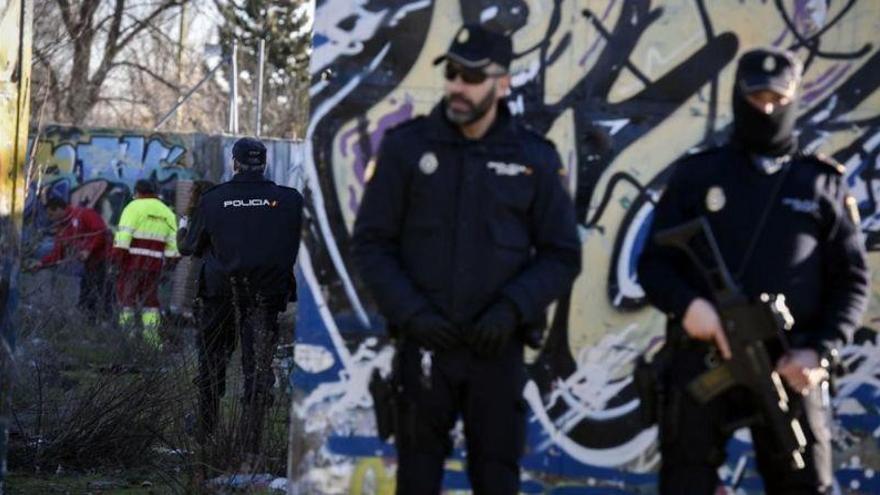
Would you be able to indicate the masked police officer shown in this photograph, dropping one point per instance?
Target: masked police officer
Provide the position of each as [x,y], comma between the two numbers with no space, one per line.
[785,224]
[247,231]
[465,235]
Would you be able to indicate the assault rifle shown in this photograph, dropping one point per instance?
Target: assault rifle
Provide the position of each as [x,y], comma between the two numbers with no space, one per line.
[750,327]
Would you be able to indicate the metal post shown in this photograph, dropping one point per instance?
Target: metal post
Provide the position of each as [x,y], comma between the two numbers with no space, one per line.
[261,70]
[233,90]
[183,99]
[181,42]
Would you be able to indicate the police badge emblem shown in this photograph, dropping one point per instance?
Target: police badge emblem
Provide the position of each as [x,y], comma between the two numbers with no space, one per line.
[715,199]
[428,163]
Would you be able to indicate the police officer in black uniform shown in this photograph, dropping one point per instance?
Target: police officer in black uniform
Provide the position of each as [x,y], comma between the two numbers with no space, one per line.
[785,224]
[247,231]
[465,235]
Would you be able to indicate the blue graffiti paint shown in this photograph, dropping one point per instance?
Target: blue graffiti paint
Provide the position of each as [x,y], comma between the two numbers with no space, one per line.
[311,330]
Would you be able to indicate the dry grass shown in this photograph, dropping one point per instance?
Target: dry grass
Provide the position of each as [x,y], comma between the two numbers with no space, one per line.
[94,401]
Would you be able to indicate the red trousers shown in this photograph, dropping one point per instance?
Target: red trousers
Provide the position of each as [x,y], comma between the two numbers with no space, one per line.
[138,288]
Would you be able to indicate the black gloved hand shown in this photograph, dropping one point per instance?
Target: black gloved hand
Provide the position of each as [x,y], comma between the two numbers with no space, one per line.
[431,330]
[494,328]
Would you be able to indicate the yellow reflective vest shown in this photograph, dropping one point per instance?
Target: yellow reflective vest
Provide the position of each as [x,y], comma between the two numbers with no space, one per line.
[146,236]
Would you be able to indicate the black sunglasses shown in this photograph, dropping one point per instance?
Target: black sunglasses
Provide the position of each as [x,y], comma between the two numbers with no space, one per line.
[469,76]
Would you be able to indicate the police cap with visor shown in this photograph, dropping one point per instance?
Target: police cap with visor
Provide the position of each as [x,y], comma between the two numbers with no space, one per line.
[250,154]
[474,48]
[769,69]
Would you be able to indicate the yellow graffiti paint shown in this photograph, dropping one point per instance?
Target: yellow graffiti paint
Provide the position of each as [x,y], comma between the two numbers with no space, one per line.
[15,56]
[370,477]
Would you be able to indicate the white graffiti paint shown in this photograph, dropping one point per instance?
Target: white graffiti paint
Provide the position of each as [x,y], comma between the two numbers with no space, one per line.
[611,457]
[313,358]
[346,41]
[864,362]
[603,371]
[317,195]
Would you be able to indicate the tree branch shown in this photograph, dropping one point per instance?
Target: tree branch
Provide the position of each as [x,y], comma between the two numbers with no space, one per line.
[143,23]
[146,70]
[67,16]
[113,49]
[113,32]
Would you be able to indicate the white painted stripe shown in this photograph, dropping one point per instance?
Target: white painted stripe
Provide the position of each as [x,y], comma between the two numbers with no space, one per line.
[146,252]
[149,236]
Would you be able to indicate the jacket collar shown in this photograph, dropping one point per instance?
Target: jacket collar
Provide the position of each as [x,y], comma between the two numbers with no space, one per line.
[249,176]
[441,129]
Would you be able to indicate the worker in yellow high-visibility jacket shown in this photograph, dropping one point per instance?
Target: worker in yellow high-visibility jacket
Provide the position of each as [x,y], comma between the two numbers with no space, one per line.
[145,242]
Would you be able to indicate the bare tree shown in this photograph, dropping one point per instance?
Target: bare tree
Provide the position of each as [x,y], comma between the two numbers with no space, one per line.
[81,45]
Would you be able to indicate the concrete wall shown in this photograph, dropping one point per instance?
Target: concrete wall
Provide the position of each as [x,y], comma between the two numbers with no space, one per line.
[623,92]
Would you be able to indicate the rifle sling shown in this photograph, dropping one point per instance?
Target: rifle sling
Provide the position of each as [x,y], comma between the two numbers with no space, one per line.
[762,222]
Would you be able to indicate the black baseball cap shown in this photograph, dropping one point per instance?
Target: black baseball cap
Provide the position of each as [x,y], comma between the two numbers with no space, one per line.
[475,47]
[769,68]
[249,152]
[144,186]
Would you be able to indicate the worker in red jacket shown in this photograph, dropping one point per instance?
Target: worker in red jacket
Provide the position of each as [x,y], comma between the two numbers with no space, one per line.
[80,235]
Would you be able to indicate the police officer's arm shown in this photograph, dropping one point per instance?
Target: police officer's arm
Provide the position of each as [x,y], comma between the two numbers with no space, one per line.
[195,239]
[553,227]
[375,242]
[845,269]
[660,268]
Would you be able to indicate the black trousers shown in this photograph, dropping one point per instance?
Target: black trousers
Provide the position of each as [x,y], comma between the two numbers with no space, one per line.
[95,297]
[486,393]
[693,437]
[254,322]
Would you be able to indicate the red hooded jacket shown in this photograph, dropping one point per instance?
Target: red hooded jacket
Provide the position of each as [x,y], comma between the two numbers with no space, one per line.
[82,229]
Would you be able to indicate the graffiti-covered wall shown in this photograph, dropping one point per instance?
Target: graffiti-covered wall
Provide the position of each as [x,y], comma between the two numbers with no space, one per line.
[99,167]
[624,88]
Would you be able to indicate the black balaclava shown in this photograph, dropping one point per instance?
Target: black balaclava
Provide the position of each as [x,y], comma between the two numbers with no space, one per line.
[757,132]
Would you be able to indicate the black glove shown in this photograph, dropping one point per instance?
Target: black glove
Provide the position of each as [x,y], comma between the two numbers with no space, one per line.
[431,330]
[494,328]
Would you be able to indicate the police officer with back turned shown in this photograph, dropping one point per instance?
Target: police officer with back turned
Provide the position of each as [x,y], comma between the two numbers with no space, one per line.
[785,224]
[247,231]
[465,235]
